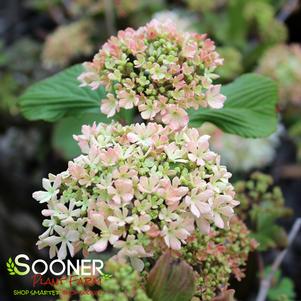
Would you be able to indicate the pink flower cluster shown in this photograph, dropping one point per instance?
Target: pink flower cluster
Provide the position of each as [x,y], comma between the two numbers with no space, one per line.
[135,187]
[157,69]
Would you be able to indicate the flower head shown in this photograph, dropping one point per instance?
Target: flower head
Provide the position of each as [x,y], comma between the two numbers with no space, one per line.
[135,187]
[159,70]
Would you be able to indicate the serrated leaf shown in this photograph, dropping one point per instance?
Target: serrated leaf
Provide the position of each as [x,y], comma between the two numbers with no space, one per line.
[9,260]
[12,273]
[171,279]
[62,139]
[59,96]
[250,109]
[248,112]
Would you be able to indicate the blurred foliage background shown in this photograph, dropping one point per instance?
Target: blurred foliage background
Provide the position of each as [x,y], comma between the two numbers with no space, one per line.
[40,37]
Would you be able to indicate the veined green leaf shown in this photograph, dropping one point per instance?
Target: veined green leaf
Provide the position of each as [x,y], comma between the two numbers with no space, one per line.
[59,96]
[249,111]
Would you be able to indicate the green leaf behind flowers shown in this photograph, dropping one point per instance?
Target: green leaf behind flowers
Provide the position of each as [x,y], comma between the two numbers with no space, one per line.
[282,288]
[60,95]
[249,111]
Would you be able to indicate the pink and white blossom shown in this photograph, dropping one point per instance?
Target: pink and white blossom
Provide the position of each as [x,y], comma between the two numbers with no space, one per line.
[108,233]
[127,67]
[122,191]
[133,188]
[51,192]
[174,235]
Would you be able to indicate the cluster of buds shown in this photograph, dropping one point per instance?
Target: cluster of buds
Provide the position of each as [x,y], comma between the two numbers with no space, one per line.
[134,187]
[157,69]
[283,64]
[218,256]
[261,205]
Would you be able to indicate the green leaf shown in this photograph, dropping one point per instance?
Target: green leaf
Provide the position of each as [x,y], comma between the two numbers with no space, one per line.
[283,291]
[59,96]
[282,287]
[249,111]
[171,279]
[62,139]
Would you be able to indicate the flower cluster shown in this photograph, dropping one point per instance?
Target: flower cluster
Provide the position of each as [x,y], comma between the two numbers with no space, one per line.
[218,256]
[132,187]
[157,69]
[214,258]
[283,64]
[66,43]
[261,205]
[241,154]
